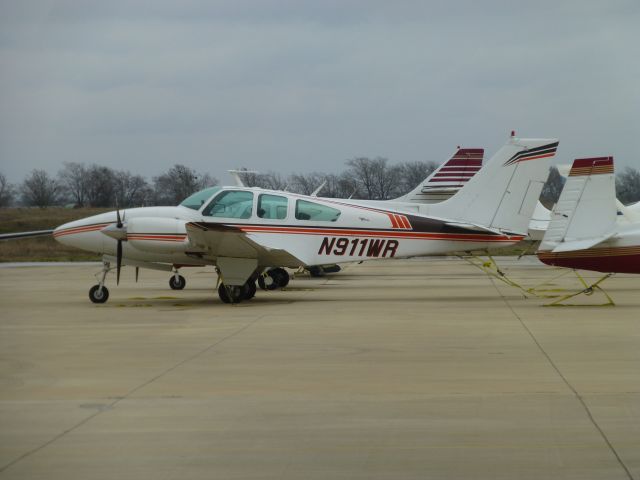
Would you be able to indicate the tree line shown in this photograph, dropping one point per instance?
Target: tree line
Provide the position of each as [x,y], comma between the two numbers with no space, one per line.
[80,185]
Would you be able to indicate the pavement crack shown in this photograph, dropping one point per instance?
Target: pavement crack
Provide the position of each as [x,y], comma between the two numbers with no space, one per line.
[566,382]
[111,405]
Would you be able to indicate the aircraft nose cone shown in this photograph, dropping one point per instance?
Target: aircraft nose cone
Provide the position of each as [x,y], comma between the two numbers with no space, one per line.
[63,233]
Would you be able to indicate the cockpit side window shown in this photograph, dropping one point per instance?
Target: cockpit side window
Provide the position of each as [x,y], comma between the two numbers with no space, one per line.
[230,204]
[272,207]
[315,212]
[196,200]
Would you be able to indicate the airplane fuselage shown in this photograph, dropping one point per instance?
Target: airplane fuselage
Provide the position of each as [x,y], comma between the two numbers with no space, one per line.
[342,232]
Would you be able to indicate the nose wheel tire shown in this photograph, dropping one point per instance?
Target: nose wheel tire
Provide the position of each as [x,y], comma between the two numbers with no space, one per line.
[98,295]
[177,284]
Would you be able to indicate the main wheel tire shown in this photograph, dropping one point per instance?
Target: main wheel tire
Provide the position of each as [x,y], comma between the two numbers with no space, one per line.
[230,294]
[280,277]
[316,271]
[331,268]
[177,285]
[98,295]
[262,282]
[249,290]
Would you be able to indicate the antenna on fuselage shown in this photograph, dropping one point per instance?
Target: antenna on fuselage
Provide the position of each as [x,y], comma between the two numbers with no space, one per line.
[238,179]
[319,189]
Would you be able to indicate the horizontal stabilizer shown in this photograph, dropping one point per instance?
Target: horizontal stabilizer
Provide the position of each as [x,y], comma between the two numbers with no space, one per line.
[581,244]
[470,226]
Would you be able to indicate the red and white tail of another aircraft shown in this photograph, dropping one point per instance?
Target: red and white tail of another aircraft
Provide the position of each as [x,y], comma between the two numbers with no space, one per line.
[584,232]
[448,178]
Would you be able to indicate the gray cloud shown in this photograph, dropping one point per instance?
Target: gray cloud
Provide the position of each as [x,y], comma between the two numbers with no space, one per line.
[301,86]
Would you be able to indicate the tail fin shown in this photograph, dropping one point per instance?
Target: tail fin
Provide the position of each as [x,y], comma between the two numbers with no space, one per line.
[448,178]
[586,212]
[539,221]
[503,194]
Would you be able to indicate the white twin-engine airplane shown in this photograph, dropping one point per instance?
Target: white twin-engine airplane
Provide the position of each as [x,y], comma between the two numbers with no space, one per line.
[249,234]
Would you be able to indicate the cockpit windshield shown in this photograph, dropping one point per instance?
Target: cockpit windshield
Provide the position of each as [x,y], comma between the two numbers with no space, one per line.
[196,200]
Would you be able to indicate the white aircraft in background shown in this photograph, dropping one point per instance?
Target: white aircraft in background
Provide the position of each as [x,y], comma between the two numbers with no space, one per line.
[250,233]
[586,231]
[542,216]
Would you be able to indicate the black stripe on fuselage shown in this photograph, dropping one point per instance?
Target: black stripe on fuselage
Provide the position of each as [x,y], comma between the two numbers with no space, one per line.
[419,225]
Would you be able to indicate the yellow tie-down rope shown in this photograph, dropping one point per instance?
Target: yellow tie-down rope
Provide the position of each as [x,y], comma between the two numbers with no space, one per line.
[587,290]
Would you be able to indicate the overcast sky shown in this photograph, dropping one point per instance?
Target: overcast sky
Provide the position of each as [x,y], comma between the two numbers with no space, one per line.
[301,86]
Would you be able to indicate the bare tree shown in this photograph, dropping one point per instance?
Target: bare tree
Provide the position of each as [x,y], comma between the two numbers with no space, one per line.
[100,186]
[361,169]
[308,183]
[7,191]
[412,173]
[178,183]
[39,189]
[74,179]
[340,186]
[273,181]
[552,188]
[270,180]
[250,178]
[130,190]
[628,186]
[375,179]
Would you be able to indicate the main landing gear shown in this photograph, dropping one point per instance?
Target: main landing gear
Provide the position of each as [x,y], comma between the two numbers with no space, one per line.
[270,280]
[273,279]
[237,293]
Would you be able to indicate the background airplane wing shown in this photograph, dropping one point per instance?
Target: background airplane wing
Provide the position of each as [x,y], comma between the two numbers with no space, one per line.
[16,235]
[219,240]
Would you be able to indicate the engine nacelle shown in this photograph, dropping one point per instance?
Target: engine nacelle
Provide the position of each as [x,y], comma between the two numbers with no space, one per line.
[158,235]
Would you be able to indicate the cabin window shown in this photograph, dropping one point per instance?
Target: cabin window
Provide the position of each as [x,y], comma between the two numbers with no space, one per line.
[315,212]
[196,200]
[230,204]
[272,207]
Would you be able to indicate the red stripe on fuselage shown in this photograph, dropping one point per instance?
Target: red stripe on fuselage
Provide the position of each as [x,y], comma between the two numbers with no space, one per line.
[83,229]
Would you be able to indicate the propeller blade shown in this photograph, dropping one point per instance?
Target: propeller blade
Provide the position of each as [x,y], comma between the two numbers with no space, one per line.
[119,219]
[137,271]
[118,261]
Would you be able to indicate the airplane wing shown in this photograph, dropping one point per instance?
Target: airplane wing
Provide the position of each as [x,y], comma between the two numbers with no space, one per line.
[219,240]
[16,235]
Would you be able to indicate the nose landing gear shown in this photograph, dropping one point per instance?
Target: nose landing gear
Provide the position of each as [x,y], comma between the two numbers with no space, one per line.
[177,281]
[99,293]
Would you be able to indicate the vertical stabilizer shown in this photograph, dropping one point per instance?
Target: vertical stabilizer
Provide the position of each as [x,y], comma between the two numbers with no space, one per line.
[448,178]
[504,193]
[586,212]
